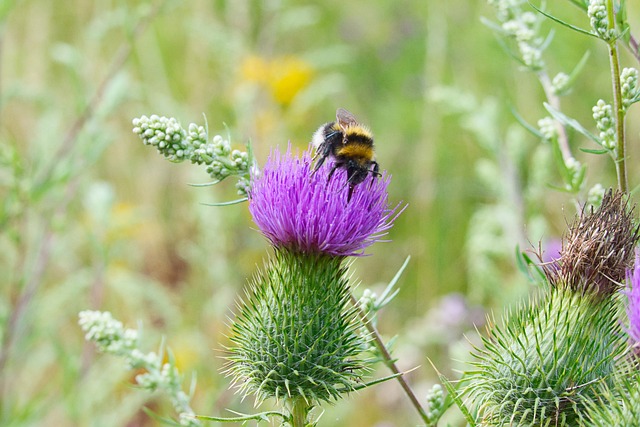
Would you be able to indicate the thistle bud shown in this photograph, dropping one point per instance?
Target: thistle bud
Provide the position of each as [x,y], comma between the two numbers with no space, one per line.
[598,248]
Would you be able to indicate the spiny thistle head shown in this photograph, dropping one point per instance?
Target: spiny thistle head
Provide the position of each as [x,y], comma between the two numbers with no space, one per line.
[598,248]
[295,335]
[306,212]
[547,360]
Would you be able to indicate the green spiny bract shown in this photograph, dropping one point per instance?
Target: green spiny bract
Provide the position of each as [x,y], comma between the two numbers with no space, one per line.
[617,404]
[295,335]
[547,360]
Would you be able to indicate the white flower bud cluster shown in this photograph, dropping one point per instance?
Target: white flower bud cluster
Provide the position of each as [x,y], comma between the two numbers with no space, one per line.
[178,144]
[560,83]
[226,162]
[629,87]
[200,151]
[243,186]
[368,300]
[111,337]
[522,26]
[436,408]
[548,128]
[504,8]
[595,195]
[531,55]
[603,115]
[164,133]
[574,167]
[597,12]
[108,333]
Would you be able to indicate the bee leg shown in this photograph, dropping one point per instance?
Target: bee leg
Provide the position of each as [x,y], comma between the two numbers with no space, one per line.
[323,151]
[320,162]
[375,171]
[317,153]
[335,166]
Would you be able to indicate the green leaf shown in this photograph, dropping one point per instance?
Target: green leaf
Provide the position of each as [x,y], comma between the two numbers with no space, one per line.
[621,20]
[489,23]
[387,296]
[635,99]
[457,399]
[572,123]
[559,188]
[207,184]
[562,167]
[498,30]
[262,416]
[374,382]
[511,53]
[594,150]
[582,4]
[454,395]
[635,190]
[529,267]
[578,184]
[548,40]
[576,71]
[535,131]
[561,22]
[232,202]
[160,419]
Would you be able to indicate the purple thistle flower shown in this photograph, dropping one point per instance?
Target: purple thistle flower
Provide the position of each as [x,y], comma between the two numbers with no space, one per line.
[633,295]
[305,212]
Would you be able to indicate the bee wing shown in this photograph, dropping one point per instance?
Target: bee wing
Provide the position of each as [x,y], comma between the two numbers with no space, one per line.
[345,118]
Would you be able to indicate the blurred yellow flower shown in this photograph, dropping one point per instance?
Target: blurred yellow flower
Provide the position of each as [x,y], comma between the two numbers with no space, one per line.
[255,69]
[289,76]
[283,76]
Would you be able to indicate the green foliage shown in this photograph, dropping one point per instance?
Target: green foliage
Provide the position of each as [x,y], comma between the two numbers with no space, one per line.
[546,362]
[295,335]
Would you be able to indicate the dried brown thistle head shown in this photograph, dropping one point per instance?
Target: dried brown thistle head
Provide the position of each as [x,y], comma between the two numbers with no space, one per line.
[598,248]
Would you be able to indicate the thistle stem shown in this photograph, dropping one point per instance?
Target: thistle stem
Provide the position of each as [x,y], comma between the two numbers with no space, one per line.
[621,168]
[388,360]
[299,412]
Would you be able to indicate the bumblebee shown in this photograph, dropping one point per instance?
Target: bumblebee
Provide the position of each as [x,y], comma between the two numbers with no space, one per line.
[351,146]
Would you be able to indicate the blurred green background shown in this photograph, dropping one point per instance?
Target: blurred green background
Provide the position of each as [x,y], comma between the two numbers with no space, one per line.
[93,219]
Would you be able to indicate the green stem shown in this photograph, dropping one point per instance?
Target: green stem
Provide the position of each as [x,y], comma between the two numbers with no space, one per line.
[554,101]
[299,412]
[621,167]
[388,360]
